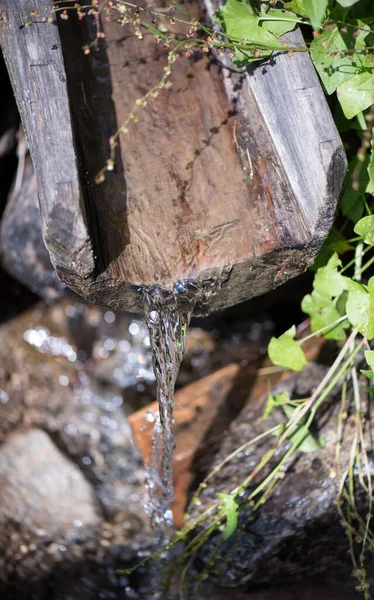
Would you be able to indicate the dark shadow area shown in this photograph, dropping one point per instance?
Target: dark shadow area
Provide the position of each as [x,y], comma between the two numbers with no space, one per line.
[94,122]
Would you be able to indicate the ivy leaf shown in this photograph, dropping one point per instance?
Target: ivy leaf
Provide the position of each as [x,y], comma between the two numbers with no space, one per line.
[360,306]
[369,357]
[315,9]
[357,94]
[278,22]
[365,228]
[322,310]
[287,352]
[241,23]
[230,510]
[308,443]
[334,57]
[274,401]
[370,186]
[328,280]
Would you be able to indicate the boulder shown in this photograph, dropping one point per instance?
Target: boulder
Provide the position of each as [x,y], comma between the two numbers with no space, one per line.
[297,532]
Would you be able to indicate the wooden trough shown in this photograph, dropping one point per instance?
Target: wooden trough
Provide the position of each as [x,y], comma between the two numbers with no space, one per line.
[228,169]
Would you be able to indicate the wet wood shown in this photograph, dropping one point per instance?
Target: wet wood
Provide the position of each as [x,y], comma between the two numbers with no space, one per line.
[203,412]
[225,169]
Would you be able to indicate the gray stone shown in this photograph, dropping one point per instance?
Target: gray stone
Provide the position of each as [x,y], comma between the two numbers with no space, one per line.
[72,480]
[22,250]
[41,490]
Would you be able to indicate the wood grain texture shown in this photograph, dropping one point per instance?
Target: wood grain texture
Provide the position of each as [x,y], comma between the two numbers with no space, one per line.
[35,64]
[228,168]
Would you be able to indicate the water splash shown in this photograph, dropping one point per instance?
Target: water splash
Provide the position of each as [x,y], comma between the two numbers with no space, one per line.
[168,315]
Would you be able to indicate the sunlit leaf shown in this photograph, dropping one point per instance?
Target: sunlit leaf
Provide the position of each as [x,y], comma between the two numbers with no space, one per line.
[328,280]
[365,228]
[297,6]
[315,9]
[323,312]
[278,22]
[241,23]
[357,93]
[287,352]
[360,306]
[347,3]
[229,509]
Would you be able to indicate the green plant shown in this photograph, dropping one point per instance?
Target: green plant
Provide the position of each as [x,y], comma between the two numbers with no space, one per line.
[340,41]
[341,304]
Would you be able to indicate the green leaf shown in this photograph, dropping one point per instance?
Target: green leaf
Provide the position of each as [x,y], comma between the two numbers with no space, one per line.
[308,443]
[230,510]
[274,401]
[278,22]
[370,186]
[334,57]
[315,9]
[365,228]
[347,3]
[328,280]
[297,6]
[369,374]
[360,307]
[323,312]
[341,304]
[357,93]
[241,23]
[287,352]
[369,357]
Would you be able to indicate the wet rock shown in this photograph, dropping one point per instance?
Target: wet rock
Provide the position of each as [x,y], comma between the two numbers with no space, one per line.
[42,491]
[68,455]
[297,532]
[22,250]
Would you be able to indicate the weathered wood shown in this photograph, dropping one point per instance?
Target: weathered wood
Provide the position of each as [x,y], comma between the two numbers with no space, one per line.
[225,169]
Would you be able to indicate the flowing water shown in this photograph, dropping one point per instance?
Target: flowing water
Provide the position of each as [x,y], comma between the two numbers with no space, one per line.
[168,314]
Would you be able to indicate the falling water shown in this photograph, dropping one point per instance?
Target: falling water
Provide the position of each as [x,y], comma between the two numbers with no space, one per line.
[168,314]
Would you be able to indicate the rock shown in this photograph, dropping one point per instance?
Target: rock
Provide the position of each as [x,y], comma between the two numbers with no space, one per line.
[297,532]
[69,454]
[22,250]
[42,491]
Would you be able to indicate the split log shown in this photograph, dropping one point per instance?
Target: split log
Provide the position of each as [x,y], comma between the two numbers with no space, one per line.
[233,172]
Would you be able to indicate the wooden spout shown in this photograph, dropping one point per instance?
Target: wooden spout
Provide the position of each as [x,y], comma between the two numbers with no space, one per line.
[228,170]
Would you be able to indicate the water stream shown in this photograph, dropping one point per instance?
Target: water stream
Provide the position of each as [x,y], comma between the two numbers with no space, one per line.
[168,315]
